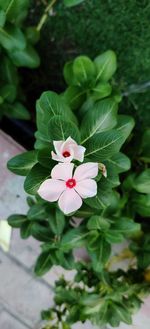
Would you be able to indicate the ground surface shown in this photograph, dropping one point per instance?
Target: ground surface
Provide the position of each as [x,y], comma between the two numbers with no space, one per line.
[22,296]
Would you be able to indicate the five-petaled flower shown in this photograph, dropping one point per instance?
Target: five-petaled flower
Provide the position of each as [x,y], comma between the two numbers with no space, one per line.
[68,150]
[70,188]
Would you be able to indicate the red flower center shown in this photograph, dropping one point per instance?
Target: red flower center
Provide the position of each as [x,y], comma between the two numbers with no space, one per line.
[66,154]
[71,183]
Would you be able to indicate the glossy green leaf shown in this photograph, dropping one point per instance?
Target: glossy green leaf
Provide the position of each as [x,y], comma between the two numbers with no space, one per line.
[21,164]
[16,220]
[125,125]
[68,73]
[16,10]
[74,97]
[35,178]
[27,57]
[102,200]
[98,223]
[60,129]
[40,232]
[83,69]
[141,204]
[103,146]
[43,263]
[106,65]
[102,117]
[11,37]
[100,255]
[37,212]
[119,162]
[74,238]
[142,182]
[101,90]
[8,92]
[57,222]
[26,229]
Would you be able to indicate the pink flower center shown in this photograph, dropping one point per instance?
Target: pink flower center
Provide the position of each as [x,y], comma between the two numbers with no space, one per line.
[71,183]
[66,154]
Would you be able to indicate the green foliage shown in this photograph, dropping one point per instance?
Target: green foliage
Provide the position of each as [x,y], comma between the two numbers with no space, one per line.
[87,111]
[16,51]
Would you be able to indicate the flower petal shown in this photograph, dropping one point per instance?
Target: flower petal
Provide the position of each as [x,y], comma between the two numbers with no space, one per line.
[69,201]
[79,152]
[51,189]
[57,145]
[86,188]
[60,158]
[86,170]
[62,171]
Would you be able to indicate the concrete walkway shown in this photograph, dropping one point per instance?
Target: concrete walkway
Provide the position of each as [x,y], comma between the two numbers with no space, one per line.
[22,296]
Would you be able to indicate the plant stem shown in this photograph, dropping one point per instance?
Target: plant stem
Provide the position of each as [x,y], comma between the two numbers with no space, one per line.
[45,15]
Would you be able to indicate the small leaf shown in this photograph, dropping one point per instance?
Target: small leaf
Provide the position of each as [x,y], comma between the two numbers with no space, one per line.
[40,232]
[43,263]
[35,178]
[57,222]
[125,125]
[106,65]
[74,97]
[16,220]
[98,223]
[27,57]
[141,183]
[26,229]
[17,110]
[101,90]
[37,212]
[21,164]
[74,238]
[83,70]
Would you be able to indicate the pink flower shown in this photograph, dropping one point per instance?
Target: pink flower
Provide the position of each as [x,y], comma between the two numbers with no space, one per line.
[69,188]
[68,150]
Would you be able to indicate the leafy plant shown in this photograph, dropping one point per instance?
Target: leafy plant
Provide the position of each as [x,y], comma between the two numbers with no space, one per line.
[16,50]
[83,124]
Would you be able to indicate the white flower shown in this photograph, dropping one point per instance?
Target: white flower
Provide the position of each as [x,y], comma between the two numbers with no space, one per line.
[68,150]
[68,188]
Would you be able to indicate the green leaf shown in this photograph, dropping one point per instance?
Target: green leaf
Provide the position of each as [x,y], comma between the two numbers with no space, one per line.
[68,73]
[16,10]
[8,92]
[44,158]
[21,164]
[35,178]
[102,117]
[102,200]
[101,90]
[40,232]
[2,18]
[9,72]
[141,204]
[49,105]
[122,312]
[103,146]
[125,125]
[43,263]
[100,255]
[71,3]
[126,226]
[98,223]
[37,212]
[26,229]
[11,37]
[73,238]
[74,97]
[83,70]
[16,220]
[57,222]
[17,110]
[119,162]
[106,65]
[142,182]
[60,129]
[113,237]
[27,57]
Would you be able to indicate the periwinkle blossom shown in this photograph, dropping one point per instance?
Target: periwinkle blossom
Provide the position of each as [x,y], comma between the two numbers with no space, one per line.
[68,187]
[68,150]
